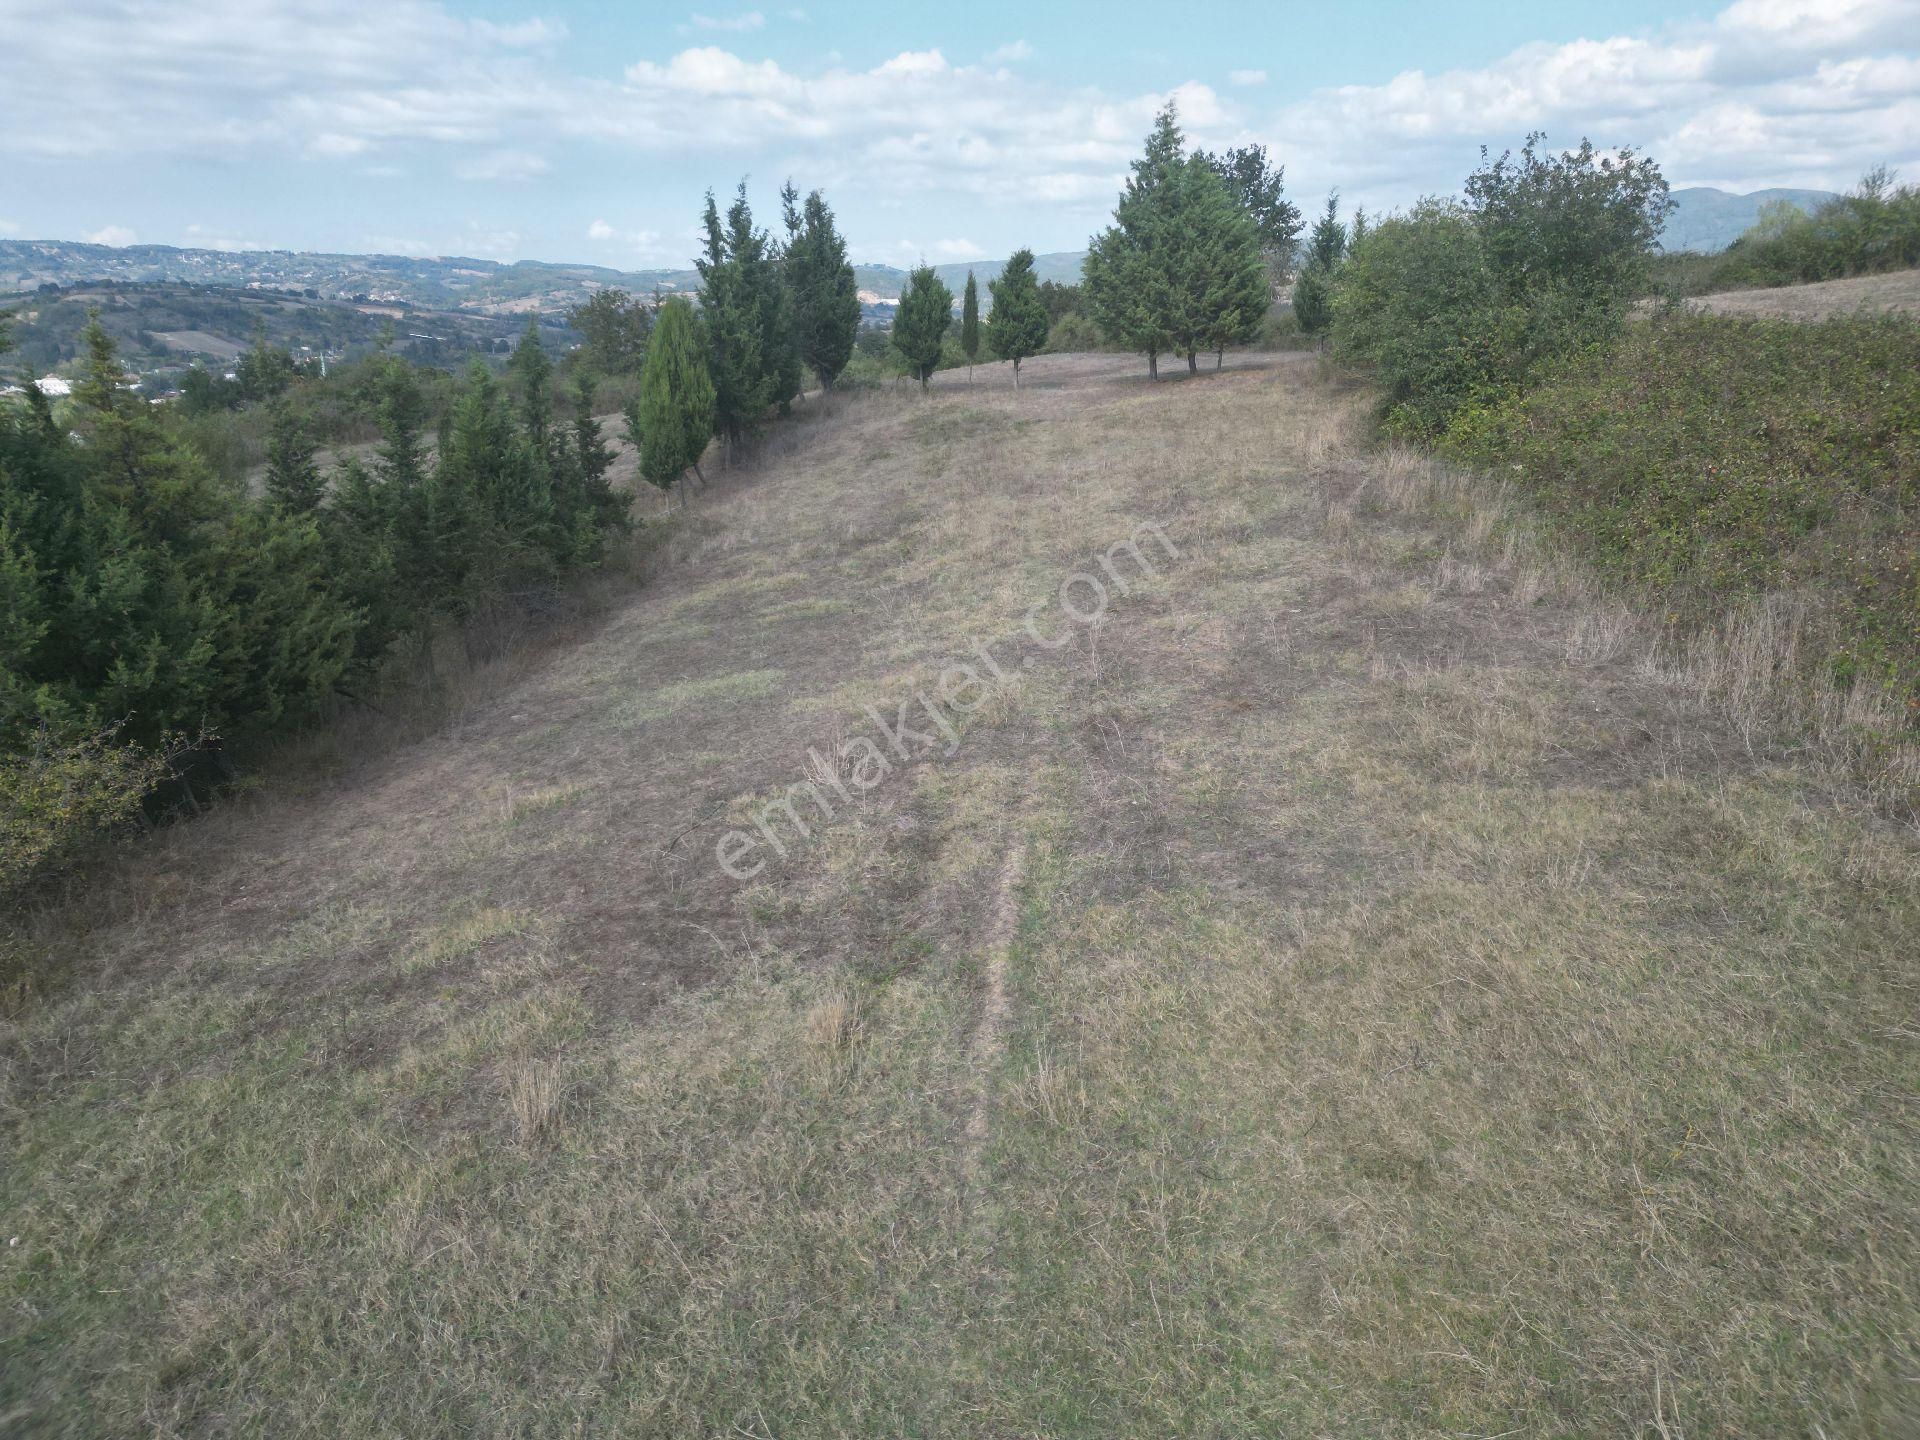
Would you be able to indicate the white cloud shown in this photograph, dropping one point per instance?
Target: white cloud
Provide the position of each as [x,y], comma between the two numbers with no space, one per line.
[1765,92]
[738,24]
[116,235]
[1247,77]
[633,244]
[1010,54]
[1768,92]
[600,230]
[502,165]
[9,227]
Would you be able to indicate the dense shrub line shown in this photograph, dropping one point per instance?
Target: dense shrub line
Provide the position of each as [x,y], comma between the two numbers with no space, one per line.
[1708,459]
[1702,461]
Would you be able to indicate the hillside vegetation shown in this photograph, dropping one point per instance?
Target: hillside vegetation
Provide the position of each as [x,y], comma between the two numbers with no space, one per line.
[1355,987]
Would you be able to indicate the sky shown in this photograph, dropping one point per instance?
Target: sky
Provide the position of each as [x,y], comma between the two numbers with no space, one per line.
[571,131]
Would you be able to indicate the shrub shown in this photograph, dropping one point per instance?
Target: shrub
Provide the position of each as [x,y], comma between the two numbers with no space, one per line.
[1706,458]
[56,798]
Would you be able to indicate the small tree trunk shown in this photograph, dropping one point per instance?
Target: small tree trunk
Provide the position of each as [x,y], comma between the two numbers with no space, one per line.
[1218,357]
[1016,375]
[703,478]
[1153,364]
[1193,363]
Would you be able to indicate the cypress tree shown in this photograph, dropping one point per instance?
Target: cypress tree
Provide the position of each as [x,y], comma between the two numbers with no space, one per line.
[293,479]
[734,279]
[532,371]
[920,323]
[826,300]
[970,324]
[1132,265]
[1017,326]
[675,414]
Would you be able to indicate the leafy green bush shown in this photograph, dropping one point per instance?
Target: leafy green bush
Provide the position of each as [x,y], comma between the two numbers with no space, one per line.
[56,798]
[1458,304]
[1419,304]
[1707,458]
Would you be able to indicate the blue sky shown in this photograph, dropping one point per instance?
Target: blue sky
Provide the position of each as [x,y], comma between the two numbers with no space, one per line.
[567,131]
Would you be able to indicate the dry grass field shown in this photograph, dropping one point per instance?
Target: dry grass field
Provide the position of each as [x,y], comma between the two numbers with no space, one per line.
[1347,982]
[1897,292]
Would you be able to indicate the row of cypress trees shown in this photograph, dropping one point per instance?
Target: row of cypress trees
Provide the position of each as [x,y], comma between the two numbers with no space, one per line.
[769,311]
[149,607]
[1016,326]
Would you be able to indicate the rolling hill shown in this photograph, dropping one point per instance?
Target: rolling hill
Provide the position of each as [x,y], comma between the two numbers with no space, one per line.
[1708,220]
[444,282]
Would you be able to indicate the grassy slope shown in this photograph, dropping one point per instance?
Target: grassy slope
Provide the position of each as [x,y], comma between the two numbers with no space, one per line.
[1351,993]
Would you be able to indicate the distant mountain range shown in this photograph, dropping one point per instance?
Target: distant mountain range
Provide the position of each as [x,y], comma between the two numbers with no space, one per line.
[1703,219]
[1708,220]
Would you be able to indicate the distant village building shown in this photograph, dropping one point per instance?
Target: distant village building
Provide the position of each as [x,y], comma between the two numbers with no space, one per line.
[52,386]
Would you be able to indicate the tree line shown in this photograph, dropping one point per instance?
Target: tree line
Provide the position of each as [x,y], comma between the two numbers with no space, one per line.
[1199,246]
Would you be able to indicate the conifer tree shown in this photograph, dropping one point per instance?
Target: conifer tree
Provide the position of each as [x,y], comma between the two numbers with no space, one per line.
[1017,325]
[293,479]
[826,300]
[532,372]
[1130,270]
[921,320]
[740,301]
[1259,188]
[970,324]
[1313,291]
[675,415]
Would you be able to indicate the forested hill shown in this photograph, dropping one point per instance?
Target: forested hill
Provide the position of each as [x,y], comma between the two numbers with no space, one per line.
[434,282]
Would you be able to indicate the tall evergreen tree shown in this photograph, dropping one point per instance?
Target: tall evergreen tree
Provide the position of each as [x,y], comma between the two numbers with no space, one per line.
[921,320]
[1131,266]
[532,372]
[1328,242]
[826,300]
[1258,187]
[293,479]
[970,324]
[1017,325]
[675,414]
[753,359]
[1313,291]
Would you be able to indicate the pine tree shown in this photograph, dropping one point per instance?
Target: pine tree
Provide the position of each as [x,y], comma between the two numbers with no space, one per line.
[826,300]
[1017,325]
[675,415]
[920,322]
[1328,242]
[293,479]
[970,324]
[591,508]
[1224,276]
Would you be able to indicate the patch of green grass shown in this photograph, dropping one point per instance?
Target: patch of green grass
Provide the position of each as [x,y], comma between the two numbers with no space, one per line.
[688,694]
